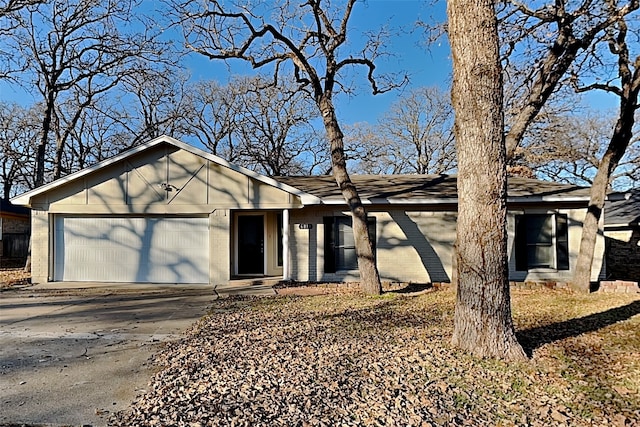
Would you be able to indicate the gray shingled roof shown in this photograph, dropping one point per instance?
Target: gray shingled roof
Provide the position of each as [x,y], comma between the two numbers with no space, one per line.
[624,211]
[428,188]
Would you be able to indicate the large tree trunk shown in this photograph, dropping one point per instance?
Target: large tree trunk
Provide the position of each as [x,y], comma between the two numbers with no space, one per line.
[482,322]
[617,146]
[369,276]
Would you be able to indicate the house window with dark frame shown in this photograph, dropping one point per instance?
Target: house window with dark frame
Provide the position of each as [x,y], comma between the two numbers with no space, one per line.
[542,241]
[339,244]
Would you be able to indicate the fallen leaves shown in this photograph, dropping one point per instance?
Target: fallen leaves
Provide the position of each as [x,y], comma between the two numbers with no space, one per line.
[350,360]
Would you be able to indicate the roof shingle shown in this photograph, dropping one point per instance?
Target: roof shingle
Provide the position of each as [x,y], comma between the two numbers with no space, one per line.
[427,188]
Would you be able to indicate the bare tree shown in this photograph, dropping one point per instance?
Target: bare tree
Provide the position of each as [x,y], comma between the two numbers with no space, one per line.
[9,9]
[310,38]
[421,123]
[97,135]
[274,126]
[79,45]
[482,324]
[568,148]
[154,103]
[541,45]
[414,136]
[210,114]
[369,151]
[626,87]
[18,130]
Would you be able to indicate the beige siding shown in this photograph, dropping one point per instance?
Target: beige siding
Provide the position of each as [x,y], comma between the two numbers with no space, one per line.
[40,246]
[164,180]
[410,246]
[307,245]
[417,246]
[620,235]
[219,246]
[108,187]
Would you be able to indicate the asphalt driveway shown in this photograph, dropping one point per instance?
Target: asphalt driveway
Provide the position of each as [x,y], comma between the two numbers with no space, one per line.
[74,356]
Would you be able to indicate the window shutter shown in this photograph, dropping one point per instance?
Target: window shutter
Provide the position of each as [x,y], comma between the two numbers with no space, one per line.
[562,242]
[521,243]
[329,245]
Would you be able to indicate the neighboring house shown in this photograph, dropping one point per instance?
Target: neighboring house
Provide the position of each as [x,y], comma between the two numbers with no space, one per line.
[15,227]
[622,234]
[166,212]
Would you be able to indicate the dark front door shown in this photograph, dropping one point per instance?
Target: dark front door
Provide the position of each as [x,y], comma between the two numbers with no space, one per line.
[250,244]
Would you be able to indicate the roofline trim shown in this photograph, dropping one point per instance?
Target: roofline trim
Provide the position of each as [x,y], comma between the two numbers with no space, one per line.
[454,201]
[25,198]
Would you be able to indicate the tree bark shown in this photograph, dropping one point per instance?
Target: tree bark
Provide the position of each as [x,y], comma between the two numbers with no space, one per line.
[618,144]
[44,141]
[482,321]
[369,276]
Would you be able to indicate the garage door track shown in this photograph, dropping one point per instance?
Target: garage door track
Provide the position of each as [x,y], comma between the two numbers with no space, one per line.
[74,356]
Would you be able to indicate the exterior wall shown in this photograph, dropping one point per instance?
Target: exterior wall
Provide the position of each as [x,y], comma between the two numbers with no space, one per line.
[164,180]
[219,244]
[40,247]
[575,218]
[417,245]
[15,224]
[411,246]
[623,253]
[271,245]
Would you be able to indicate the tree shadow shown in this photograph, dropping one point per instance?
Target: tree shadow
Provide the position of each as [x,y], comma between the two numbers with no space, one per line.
[534,338]
[412,288]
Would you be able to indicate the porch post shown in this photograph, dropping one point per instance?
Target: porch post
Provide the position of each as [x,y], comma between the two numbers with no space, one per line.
[285,245]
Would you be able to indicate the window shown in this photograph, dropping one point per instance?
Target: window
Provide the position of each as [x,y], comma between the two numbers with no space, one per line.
[339,245]
[542,241]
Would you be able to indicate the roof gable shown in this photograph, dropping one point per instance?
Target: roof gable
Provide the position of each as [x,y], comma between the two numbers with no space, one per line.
[139,168]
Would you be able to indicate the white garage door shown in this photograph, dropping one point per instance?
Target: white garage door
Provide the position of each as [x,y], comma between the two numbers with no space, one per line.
[131,249]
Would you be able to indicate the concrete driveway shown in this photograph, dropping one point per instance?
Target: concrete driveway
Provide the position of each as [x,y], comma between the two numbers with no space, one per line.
[73,356]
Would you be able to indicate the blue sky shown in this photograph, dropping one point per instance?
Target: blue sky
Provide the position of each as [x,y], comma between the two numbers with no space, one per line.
[426,65]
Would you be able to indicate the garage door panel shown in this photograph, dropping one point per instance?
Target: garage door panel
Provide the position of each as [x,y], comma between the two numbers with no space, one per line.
[132,249]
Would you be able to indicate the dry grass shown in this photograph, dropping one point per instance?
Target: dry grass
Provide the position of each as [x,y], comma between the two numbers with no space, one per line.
[357,360]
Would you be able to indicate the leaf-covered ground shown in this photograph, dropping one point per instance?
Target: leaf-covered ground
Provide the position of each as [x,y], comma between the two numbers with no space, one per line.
[11,276]
[343,360]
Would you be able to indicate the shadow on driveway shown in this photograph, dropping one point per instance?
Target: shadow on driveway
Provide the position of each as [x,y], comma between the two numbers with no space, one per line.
[73,356]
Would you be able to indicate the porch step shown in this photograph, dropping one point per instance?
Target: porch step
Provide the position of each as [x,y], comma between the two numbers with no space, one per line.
[255,287]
